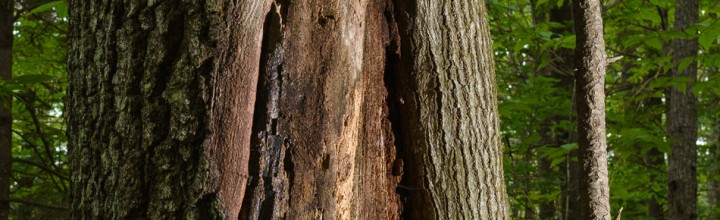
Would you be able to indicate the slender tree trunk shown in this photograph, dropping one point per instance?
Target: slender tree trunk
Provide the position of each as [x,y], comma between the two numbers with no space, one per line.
[160,106]
[6,42]
[590,64]
[449,135]
[682,121]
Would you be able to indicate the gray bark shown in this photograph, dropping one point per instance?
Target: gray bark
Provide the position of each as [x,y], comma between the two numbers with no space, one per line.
[449,134]
[160,105]
[590,64]
[681,114]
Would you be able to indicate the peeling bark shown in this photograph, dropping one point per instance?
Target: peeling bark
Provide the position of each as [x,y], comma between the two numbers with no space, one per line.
[590,64]
[160,106]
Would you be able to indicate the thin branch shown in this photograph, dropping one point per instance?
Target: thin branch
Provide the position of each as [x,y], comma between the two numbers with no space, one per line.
[38,129]
[42,167]
[37,203]
[32,145]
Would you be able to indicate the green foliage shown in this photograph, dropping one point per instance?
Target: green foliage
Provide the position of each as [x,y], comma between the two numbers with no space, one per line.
[535,96]
[40,170]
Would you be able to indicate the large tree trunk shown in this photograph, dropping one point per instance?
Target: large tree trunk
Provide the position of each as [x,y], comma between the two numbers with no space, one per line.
[590,64]
[449,133]
[161,78]
[6,42]
[682,121]
[160,105]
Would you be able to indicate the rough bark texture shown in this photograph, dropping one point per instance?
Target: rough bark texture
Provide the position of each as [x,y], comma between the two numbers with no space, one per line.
[449,133]
[681,114]
[160,105]
[590,64]
[322,142]
[6,42]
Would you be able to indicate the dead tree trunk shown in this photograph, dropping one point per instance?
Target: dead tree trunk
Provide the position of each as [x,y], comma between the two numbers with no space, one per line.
[6,42]
[590,66]
[160,105]
[323,144]
[681,114]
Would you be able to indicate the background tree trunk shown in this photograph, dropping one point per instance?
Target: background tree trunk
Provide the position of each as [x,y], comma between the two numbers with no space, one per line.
[449,135]
[590,64]
[160,106]
[682,121]
[6,42]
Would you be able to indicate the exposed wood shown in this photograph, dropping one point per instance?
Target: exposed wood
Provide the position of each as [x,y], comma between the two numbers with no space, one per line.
[323,145]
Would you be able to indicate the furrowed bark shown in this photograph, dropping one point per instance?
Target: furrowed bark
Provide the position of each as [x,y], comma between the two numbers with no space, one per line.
[323,146]
[160,107]
[7,8]
[681,114]
[446,95]
[590,64]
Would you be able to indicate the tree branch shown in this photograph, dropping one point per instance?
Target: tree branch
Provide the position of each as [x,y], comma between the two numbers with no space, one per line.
[42,167]
[37,203]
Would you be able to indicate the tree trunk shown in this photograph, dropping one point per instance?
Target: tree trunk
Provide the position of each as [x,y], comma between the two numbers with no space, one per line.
[590,65]
[322,137]
[682,121]
[6,42]
[160,106]
[449,132]
[323,145]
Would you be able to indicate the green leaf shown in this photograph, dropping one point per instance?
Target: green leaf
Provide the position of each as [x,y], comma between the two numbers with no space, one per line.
[568,42]
[706,39]
[570,146]
[684,63]
[655,43]
[540,2]
[49,6]
[32,78]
